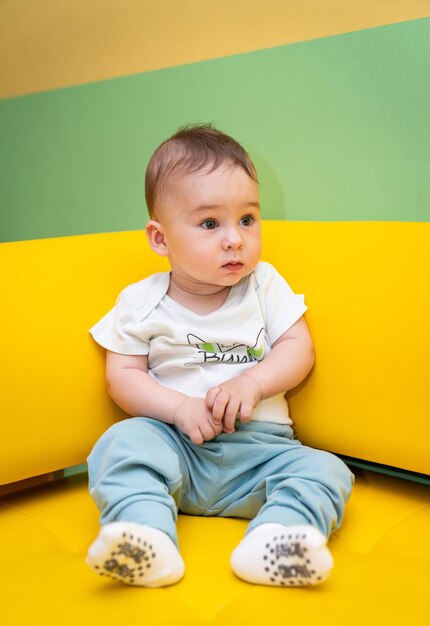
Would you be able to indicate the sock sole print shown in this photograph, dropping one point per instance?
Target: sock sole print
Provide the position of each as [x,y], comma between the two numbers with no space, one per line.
[283,556]
[135,554]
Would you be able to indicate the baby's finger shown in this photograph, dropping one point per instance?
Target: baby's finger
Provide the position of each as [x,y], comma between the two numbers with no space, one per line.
[196,437]
[211,396]
[230,416]
[207,431]
[218,428]
[246,409]
[219,405]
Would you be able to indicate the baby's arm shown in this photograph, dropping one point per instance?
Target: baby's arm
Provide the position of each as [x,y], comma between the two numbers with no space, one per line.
[286,365]
[138,394]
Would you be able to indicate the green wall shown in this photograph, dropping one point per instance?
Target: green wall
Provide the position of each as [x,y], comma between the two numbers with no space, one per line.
[338,128]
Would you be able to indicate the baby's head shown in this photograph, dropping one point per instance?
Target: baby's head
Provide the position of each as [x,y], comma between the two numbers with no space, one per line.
[202,197]
[197,148]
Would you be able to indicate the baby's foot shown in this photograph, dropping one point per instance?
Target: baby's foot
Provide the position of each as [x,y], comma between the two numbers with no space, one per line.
[273,554]
[136,554]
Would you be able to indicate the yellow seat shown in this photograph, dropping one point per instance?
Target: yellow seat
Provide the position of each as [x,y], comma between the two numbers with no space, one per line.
[381,572]
[367,398]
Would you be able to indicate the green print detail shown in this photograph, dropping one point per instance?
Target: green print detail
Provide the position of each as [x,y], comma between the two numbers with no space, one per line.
[234,353]
[256,352]
[208,347]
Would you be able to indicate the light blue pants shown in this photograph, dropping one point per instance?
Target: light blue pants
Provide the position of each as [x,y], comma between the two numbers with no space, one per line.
[142,470]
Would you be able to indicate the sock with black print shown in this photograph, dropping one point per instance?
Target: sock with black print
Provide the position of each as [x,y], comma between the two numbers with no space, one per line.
[283,556]
[136,554]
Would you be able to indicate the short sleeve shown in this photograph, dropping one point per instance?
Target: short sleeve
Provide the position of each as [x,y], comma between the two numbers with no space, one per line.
[125,328]
[118,330]
[282,307]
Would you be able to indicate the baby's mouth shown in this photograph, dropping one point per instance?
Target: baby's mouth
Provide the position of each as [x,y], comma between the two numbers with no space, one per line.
[233,265]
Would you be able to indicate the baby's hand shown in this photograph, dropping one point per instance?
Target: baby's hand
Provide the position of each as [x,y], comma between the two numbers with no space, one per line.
[194,419]
[234,398]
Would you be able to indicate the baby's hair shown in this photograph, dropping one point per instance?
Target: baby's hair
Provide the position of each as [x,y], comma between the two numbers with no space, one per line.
[191,149]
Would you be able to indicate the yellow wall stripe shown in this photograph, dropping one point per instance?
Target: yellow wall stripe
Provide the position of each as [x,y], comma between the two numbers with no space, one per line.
[49,44]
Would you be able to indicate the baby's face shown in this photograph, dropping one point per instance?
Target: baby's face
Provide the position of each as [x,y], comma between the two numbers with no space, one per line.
[212,228]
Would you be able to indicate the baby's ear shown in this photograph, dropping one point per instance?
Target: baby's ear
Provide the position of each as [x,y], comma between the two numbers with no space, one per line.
[155,234]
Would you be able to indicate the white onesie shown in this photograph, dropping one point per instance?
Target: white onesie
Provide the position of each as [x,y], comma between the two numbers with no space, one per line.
[189,352]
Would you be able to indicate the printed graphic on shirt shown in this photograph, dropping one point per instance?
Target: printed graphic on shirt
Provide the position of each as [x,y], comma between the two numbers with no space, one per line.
[234,353]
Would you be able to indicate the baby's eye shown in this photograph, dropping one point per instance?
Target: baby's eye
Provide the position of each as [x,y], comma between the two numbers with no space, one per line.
[246,220]
[209,224]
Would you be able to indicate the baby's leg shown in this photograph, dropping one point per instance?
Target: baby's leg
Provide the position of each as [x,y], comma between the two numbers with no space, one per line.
[306,492]
[135,479]
[136,554]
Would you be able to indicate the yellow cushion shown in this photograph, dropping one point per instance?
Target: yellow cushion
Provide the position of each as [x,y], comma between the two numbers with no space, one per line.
[366,285]
[380,576]
[367,288]
[366,397]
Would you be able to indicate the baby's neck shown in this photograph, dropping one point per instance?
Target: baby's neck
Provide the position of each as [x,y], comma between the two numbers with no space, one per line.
[211,299]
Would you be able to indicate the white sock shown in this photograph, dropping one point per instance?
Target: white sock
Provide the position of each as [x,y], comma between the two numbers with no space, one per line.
[136,554]
[283,556]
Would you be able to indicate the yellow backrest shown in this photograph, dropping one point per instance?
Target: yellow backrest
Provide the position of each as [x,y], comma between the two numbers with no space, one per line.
[366,285]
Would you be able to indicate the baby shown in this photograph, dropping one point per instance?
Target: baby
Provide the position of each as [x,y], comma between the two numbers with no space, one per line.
[201,357]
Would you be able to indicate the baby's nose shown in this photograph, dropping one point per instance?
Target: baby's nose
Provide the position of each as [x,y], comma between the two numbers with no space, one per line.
[233,240]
